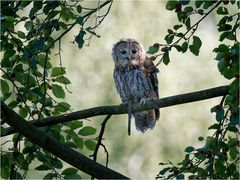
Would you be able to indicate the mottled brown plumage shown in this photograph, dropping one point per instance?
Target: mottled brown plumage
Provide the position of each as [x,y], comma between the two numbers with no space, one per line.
[135,78]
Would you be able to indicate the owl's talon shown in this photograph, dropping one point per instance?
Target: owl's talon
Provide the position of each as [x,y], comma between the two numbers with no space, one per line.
[143,101]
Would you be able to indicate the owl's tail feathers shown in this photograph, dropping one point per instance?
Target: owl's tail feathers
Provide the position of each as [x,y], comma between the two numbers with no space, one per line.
[157,114]
[146,120]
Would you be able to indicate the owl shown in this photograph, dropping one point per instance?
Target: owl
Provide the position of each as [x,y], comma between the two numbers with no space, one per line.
[135,78]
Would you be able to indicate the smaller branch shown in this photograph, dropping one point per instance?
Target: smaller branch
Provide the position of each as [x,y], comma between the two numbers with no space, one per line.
[44,86]
[100,137]
[85,16]
[99,143]
[107,154]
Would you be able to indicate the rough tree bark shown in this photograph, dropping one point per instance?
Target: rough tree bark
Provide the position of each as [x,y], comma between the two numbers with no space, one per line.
[65,153]
[107,110]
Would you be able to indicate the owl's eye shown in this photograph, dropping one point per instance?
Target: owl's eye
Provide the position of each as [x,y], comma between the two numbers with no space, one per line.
[134,51]
[123,52]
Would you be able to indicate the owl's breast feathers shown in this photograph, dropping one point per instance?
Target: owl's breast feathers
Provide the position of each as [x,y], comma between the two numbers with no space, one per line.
[137,81]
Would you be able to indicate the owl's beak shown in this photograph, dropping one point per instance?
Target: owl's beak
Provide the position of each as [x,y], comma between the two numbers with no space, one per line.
[128,58]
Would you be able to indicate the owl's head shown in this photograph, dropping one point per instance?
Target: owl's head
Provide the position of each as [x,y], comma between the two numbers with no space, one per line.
[128,52]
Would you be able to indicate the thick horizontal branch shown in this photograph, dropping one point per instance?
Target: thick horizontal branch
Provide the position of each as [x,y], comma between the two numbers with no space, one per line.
[107,110]
[65,153]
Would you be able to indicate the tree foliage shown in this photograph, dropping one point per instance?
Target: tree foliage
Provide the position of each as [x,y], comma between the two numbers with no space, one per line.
[33,87]
[218,158]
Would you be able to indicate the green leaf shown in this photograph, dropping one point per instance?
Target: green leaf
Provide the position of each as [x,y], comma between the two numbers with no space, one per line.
[220,114]
[72,176]
[56,71]
[200,138]
[234,120]
[188,23]
[74,124]
[219,166]
[25,3]
[78,142]
[225,27]
[90,144]
[153,49]
[200,11]
[214,126]
[198,3]
[79,20]
[23,112]
[87,130]
[207,4]
[79,39]
[166,59]
[69,171]
[188,9]
[21,34]
[176,27]
[232,128]
[48,176]
[196,45]
[222,11]
[28,25]
[21,161]
[221,48]
[178,48]
[4,87]
[180,176]
[5,172]
[232,169]
[211,142]
[184,47]
[171,5]
[37,5]
[164,170]
[169,38]
[58,91]
[42,58]
[227,35]
[79,9]
[189,149]
[62,107]
[52,14]
[43,167]
[56,163]
[63,80]
[13,104]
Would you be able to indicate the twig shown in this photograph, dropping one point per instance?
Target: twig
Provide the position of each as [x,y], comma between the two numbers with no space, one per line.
[44,86]
[107,154]
[100,137]
[85,16]
[99,143]
[193,26]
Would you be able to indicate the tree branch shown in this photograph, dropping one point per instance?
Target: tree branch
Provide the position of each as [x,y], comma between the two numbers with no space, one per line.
[107,110]
[65,153]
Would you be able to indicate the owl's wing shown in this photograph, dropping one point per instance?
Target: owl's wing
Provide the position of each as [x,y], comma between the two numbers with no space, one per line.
[151,71]
[154,81]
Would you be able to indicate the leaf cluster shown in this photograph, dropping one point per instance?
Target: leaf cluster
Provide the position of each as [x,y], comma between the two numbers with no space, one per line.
[33,86]
[218,157]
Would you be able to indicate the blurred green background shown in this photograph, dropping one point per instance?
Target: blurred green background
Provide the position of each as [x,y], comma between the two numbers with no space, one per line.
[90,70]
